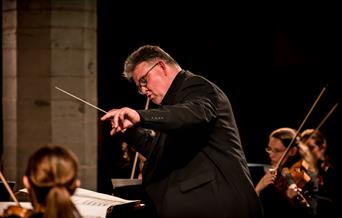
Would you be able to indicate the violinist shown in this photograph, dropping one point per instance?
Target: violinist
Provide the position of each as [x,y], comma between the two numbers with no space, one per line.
[326,194]
[51,179]
[273,188]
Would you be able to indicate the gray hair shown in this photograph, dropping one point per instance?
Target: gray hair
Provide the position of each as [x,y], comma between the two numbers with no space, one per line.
[146,53]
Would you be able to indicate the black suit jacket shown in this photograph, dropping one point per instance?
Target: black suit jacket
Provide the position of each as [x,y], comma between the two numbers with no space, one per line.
[195,164]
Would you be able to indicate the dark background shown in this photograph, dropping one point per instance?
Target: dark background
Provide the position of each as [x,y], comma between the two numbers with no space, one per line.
[271,60]
[272,64]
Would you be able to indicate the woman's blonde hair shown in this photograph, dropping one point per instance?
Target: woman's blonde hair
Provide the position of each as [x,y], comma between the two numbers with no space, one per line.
[52,175]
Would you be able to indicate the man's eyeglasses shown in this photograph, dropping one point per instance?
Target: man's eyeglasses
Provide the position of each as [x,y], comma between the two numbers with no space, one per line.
[273,150]
[143,81]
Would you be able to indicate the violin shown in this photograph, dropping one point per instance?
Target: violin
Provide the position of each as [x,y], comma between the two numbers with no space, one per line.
[14,210]
[294,176]
[303,171]
[297,177]
[299,173]
[295,180]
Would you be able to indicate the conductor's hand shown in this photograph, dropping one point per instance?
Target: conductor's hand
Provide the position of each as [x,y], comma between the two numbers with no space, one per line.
[121,119]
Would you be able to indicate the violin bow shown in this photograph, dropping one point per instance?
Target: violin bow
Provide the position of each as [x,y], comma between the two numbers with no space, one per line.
[327,116]
[278,165]
[9,189]
[305,149]
[136,153]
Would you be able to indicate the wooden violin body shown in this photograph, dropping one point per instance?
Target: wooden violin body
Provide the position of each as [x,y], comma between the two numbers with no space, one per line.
[16,211]
[300,173]
[13,210]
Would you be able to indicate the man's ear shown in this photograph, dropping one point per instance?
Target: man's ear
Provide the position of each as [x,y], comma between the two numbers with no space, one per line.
[26,182]
[163,66]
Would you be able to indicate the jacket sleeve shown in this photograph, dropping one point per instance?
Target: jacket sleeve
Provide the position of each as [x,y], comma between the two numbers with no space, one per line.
[139,139]
[197,105]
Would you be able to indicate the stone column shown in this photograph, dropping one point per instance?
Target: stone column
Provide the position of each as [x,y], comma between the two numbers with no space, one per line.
[49,43]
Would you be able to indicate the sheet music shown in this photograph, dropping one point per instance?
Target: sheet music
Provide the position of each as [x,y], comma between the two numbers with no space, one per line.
[89,203]
[92,198]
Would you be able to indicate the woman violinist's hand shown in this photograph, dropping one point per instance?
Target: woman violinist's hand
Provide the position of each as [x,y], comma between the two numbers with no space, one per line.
[121,119]
[266,180]
[292,191]
[294,194]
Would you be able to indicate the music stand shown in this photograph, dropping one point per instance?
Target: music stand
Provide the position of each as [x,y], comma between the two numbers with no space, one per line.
[4,195]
